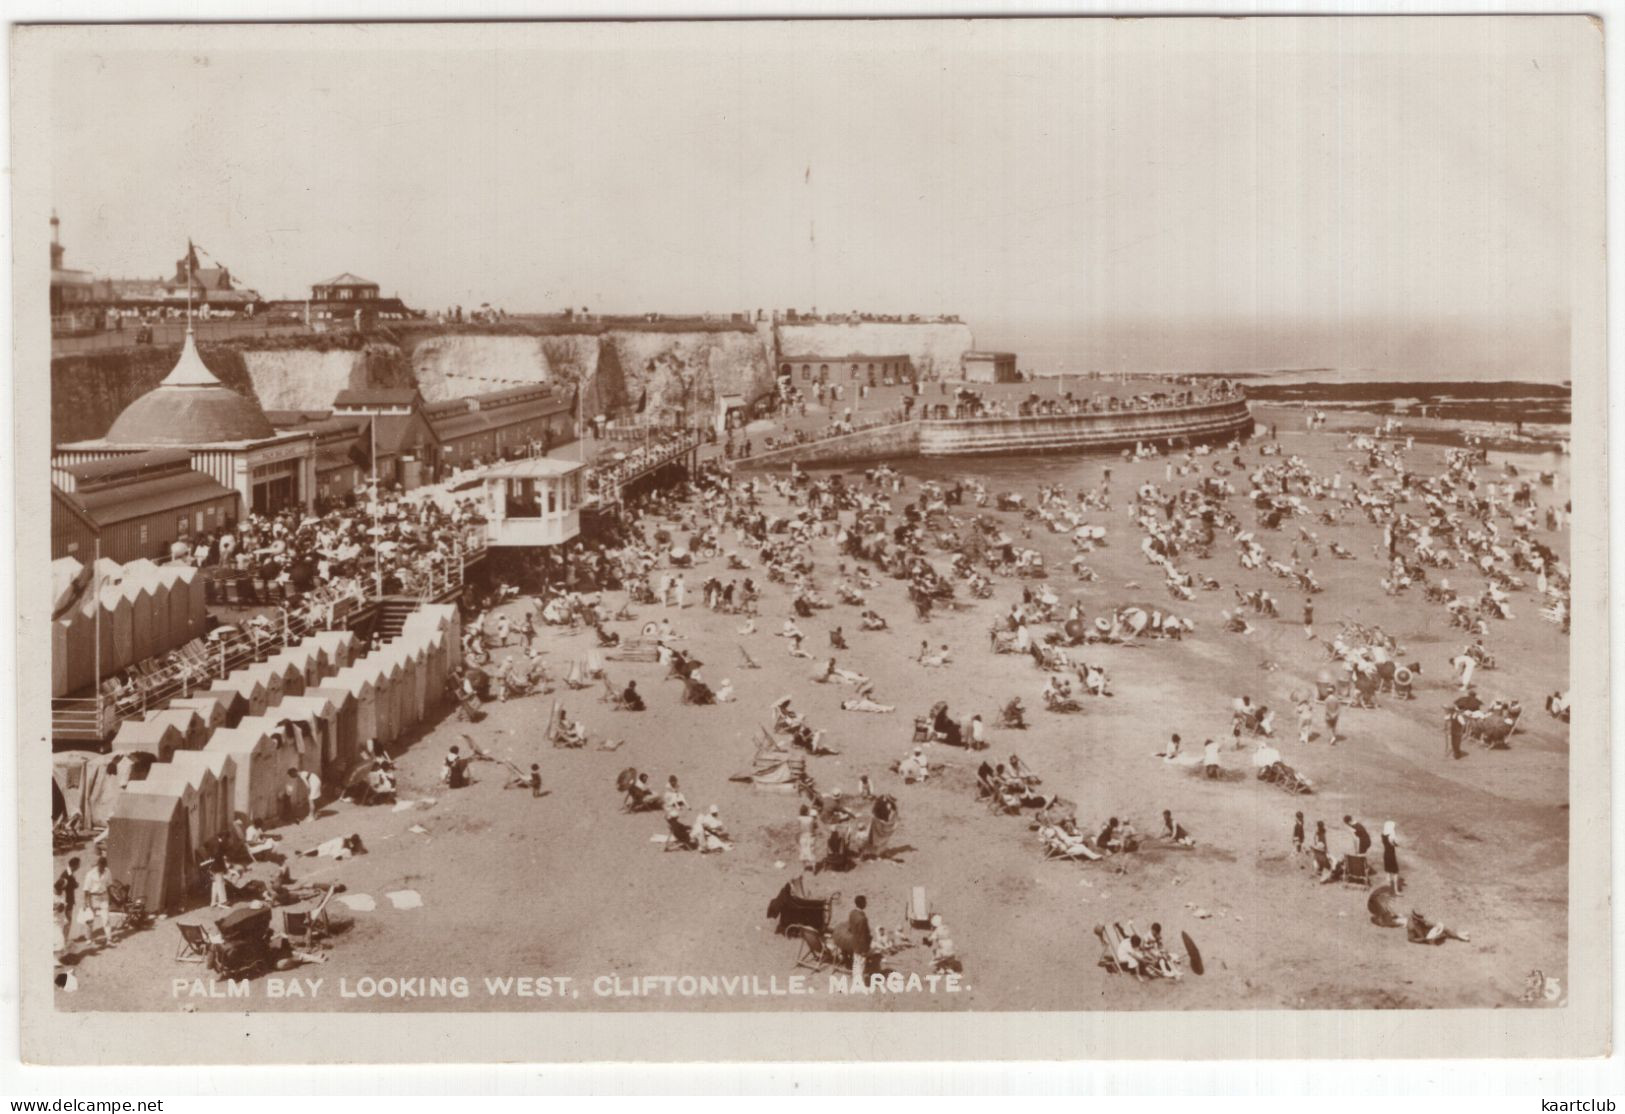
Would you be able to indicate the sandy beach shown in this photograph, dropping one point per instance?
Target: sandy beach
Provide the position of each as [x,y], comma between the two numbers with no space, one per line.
[570,886]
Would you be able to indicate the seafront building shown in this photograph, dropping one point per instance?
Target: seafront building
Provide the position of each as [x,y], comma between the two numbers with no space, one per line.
[989,367]
[133,506]
[858,366]
[226,433]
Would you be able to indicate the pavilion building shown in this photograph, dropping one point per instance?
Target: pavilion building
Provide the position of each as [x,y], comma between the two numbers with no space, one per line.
[227,434]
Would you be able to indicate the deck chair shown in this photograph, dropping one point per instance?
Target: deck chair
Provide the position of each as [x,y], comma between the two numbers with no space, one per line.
[1054,849]
[812,952]
[681,838]
[1107,935]
[611,697]
[746,660]
[1356,871]
[985,789]
[194,946]
[296,925]
[320,925]
[918,911]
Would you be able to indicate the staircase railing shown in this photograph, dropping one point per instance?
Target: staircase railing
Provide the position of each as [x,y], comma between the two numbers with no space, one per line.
[96,718]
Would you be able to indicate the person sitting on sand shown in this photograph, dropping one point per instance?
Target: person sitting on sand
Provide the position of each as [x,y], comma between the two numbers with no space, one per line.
[1013,714]
[1127,954]
[531,781]
[833,810]
[1210,759]
[941,943]
[640,794]
[1175,832]
[1156,953]
[380,781]
[785,718]
[1419,930]
[709,833]
[454,770]
[631,698]
[872,621]
[568,732]
[1022,772]
[673,802]
[725,692]
[914,767]
[810,741]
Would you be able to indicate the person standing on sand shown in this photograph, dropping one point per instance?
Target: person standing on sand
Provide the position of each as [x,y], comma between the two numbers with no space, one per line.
[1309,618]
[1362,838]
[97,881]
[1390,855]
[1297,833]
[1210,759]
[805,839]
[1334,708]
[857,926]
[1455,729]
[67,887]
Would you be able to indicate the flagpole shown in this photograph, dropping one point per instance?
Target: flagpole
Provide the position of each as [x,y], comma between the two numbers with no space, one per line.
[96,601]
[377,536]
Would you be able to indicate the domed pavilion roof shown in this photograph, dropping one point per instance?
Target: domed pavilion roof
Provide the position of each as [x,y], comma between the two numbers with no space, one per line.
[190,407]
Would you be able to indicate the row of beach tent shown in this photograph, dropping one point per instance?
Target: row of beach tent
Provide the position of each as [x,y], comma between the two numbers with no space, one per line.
[220,759]
[136,612]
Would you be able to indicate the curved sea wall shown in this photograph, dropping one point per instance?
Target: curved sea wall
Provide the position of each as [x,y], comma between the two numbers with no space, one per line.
[1080,432]
[886,442]
[935,347]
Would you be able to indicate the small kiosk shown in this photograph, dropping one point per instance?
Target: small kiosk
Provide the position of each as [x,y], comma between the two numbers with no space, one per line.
[534,502]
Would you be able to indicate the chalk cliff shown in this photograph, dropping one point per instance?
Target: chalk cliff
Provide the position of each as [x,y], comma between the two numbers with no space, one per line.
[622,370]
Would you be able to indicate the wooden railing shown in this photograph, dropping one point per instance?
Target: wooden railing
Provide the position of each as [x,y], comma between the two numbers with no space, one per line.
[96,719]
[608,480]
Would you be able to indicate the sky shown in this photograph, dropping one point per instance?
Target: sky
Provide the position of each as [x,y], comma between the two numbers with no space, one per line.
[1305,190]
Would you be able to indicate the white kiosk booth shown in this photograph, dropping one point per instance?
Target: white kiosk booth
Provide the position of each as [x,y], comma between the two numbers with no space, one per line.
[533,502]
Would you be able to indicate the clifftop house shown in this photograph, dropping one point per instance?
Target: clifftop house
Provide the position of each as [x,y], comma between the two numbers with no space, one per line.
[344,296]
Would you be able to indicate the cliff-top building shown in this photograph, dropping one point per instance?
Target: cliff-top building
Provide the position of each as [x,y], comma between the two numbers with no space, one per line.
[79,299]
[989,367]
[857,367]
[209,291]
[348,297]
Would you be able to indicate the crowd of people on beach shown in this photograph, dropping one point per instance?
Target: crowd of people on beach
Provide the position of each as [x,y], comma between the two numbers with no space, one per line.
[824,546]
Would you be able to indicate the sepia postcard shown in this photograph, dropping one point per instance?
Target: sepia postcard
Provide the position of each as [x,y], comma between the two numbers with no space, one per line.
[812,540]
